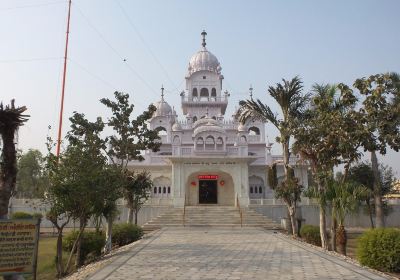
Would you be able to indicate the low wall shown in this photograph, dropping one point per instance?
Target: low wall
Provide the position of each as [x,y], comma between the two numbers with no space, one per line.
[310,215]
[37,206]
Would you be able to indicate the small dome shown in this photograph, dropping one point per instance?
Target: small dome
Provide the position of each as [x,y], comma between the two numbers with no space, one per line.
[163,108]
[176,127]
[242,128]
[207,125]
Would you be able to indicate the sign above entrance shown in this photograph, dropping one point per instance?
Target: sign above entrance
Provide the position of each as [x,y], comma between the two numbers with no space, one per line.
[208,177]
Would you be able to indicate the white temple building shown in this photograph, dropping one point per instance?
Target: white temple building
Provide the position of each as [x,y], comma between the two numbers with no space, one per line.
[207,157]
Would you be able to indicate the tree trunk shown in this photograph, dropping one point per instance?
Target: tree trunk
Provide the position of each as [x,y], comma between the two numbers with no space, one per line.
[59,260]
[286,156]
[377,192]
[8,171]
[292,213]
[136,217]
[322,227]
[333,230]
[370,213]
[74,248]
[130,215]
[341,239]
[79,257]
[108,245]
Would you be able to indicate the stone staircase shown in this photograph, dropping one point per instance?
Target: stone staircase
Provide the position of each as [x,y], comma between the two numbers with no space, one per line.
[213,216]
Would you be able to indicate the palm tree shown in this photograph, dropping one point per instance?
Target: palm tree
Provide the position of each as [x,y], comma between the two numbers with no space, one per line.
[345,198]
[289,97]
[11,118]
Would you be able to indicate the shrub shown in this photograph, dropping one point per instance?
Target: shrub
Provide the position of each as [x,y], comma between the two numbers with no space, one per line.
[21,215]
[126,233]
[91,245]
[380,249]
[311,234]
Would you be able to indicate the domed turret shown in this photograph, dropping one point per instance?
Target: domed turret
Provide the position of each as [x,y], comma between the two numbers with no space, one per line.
[204,60]
[163,108]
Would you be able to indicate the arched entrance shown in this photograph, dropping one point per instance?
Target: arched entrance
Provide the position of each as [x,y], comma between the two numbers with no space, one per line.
[210,188]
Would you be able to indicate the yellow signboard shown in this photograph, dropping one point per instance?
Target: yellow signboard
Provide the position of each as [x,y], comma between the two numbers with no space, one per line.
[18,246]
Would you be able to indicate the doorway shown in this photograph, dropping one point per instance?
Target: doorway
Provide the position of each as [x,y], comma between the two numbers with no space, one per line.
[208,193]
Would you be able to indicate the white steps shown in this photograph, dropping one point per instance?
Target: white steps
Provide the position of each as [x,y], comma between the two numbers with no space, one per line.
[213,215]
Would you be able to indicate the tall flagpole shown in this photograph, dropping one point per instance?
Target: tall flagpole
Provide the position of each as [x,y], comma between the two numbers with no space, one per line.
[63,81]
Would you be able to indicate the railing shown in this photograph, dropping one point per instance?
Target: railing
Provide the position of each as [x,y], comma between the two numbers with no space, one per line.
[184,212]
[240,210]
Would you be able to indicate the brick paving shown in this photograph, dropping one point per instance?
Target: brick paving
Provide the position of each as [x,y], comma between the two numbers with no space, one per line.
[215,253]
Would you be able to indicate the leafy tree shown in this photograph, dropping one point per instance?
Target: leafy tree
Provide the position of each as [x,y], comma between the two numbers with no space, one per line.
[328,135]
[381,121]
[289,97]
[362,174]
[31,181]
[137,191]
[11,118]
[131,137]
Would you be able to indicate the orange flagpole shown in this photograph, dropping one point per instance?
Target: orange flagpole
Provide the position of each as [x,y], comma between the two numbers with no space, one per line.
[63,81]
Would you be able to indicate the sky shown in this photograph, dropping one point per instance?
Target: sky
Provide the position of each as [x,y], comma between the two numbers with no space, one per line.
[137,46]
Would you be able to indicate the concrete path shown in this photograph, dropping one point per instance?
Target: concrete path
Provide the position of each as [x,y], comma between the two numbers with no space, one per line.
[212,253]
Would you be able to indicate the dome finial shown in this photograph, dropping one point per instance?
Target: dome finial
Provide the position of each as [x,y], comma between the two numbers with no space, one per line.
[204,33]
[251,91]
[162,92]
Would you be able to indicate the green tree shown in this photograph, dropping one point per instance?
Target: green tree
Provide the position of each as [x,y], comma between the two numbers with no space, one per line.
[11,118]
[328,135]
[289,97]
[137,191]
[363,174]
[381,120]
[131,136]
[31,181]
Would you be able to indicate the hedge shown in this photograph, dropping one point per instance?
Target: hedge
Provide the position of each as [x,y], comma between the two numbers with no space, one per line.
[91,245]
[311,234]
[380,249]
[123,234]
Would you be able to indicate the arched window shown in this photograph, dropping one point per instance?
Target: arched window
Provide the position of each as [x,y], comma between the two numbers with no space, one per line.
[243,139]
[159,189]
[200,143]
[176,139]
[161,130]
[194,119]
[255,189]
[220,143]
[254,130]
[169,189]
[210,143]
[213,94]
[195,95]
[260,189]
[164,190]
[155,189]
[204,95]
[251,189]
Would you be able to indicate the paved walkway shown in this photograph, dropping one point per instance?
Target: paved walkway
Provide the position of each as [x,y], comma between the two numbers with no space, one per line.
[205,253]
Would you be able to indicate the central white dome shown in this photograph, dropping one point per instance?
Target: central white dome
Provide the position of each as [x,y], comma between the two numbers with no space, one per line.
[204,60]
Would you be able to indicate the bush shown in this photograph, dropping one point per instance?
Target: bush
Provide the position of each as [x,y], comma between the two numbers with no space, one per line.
[380,249]
[91,245]
[311,234]
[126,233]
[21,215]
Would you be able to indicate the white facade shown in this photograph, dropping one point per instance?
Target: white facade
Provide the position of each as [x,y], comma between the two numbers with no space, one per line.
[206,157]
